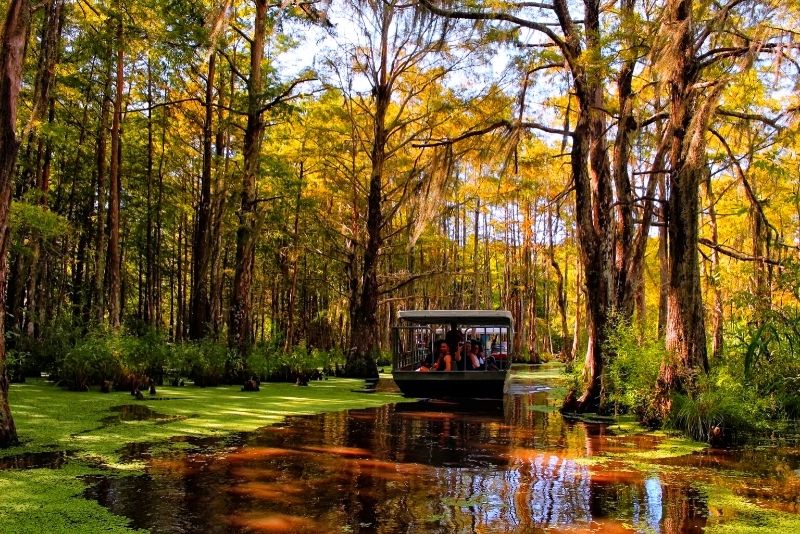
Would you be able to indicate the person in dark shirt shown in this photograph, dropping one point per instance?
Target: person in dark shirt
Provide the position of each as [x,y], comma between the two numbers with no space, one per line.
[444,360]
[453,337]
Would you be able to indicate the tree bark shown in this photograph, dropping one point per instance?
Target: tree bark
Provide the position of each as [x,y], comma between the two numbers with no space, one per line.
[240,335]
[42,102]
[12,58]
[200,319]
[561,295]
[689,116]
[592,177]
[99,300]
[115,189]
[717,342]
[361,361]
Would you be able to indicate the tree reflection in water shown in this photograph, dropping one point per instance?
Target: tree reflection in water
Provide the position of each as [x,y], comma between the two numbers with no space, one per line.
[410,467]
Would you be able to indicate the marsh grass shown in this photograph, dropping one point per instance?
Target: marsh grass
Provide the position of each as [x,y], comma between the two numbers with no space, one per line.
[732,514]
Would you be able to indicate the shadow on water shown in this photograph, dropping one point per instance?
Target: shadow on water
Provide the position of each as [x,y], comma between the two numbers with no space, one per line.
[410,467]
[34,460]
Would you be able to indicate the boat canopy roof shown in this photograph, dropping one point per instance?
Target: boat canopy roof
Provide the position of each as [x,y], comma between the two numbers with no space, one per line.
[463,317]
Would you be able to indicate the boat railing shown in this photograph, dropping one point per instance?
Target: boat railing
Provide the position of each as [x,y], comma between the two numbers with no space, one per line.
[412,345]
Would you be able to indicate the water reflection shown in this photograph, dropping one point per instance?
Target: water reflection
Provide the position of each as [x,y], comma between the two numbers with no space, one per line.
[410,467]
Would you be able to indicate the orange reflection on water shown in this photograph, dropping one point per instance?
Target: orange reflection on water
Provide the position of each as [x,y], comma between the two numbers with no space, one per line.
[338,450]
[606,526]
[262,453]
[271,491]
[276,523]
[615,473]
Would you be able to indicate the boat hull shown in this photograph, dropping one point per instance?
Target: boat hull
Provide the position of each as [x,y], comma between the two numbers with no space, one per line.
[459,385]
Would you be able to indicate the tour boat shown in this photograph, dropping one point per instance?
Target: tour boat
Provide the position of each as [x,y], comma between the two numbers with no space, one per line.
[415,346]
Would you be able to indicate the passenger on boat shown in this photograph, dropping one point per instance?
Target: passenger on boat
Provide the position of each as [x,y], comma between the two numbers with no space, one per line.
[444,360]
[474,360]
[453,337]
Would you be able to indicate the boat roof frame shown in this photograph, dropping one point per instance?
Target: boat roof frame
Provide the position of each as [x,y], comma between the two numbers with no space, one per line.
[463,317]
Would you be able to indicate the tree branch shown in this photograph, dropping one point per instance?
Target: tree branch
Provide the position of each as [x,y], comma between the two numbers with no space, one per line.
[408,281]
[480,15]
[750,117]
[735,254]
[285,94]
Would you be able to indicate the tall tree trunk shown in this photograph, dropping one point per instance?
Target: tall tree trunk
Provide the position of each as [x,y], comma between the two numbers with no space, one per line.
[12,58]
[99,300]
[115,189]
[157,235]
[42,102]
[361,361]
[663,260]
[295,252]
[593,201]
[716,317]
[149,309]
[200,319]
[240,328]
[689,117]
[624,278]
[217,253]
[561,294]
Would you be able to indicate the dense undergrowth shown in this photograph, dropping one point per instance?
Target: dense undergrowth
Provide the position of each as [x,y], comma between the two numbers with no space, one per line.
[752,388]
[128,359]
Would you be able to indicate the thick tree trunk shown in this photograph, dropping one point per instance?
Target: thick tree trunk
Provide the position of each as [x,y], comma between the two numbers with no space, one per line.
[115,189]
[200,319]
[361,361]
[364,318]
[689,116]
[12,58]
[591,174]
[624,278]
[240,322]
[218,256]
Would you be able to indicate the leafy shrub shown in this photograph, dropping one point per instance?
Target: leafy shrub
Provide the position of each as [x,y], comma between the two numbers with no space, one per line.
[205,361]
[145,357]
[632,372]
[384,358]
[46,353]
[723,411]
[764,355]
[270,362]
[97,357]
[267,361]
[16,361]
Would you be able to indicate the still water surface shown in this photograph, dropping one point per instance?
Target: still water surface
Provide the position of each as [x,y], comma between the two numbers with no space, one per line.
[515,466]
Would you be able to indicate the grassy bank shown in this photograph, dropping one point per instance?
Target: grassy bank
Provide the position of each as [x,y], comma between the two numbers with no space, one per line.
[89,428]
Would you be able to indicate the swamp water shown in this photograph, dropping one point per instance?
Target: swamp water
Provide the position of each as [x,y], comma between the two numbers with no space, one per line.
[516,466]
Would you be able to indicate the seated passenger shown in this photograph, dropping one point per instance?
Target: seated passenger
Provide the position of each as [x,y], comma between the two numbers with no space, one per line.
[453,337]
[444,361]
[474,360]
